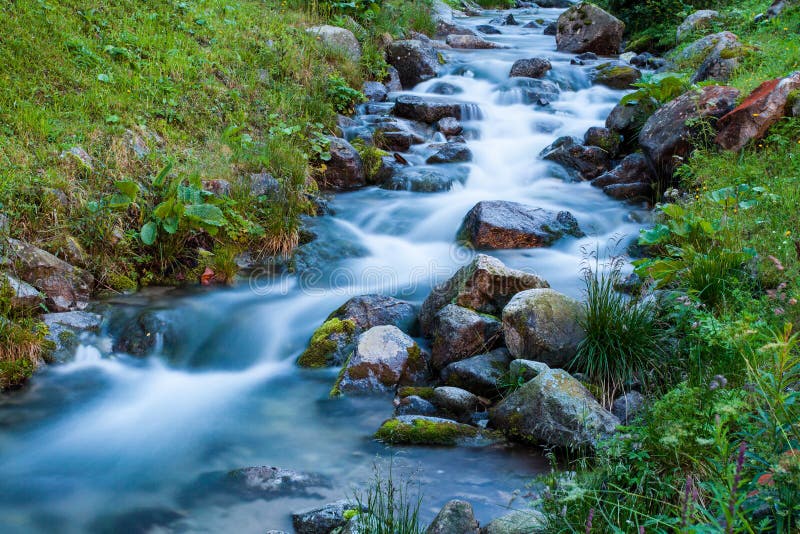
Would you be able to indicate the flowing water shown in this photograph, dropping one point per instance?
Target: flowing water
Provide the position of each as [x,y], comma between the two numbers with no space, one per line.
[111,443]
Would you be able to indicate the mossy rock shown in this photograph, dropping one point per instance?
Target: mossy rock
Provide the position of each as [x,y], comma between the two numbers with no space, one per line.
[329,343]
[616,75]
[423,430]
[409,391]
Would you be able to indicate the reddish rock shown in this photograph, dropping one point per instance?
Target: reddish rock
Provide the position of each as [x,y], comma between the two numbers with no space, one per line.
[751,120]
[668,136]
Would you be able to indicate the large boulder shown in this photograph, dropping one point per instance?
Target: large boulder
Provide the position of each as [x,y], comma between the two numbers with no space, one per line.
[375,91]
[455,517]
[694,22]
[423,179]
[64,328]
[543,325]
[581,161]
[455,402]
[518,522]
[481,374]
[484,285]
[500,224]
[587,28]
[427,111]
[604,138]
[384,357]
[761,109]
[616,75]
[415,61]
[632,179]
[65,287]
[344,170]
[556,410]
[535,67]
[459,333]
[668,136]
[339,39]
[424,430]
[716,56]
[322,519]
[333,342]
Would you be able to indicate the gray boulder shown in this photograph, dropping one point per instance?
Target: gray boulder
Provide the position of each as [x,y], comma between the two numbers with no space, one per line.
[584,162]
[535,67]
[449,126]
[456,402]
[484,285]
[488,29]
[427,111]
[555,410]
[543,325]
[323,519]
[423,179]
[375,91]
[518,522]
[459,333]
[451,153]
[625,407]
[455,517]
[24,297]
[384,357]
[414,405]
[587,28]
[272,482]
[471,42]
[500,224]
[694,22]
[414,60]
[65,287]
[64,328]
[527,369]
[339,39]
[715,56]
[479,374]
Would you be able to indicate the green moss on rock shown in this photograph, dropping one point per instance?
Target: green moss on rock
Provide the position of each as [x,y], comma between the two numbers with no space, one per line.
[421,430]
[332,336]
[409,391]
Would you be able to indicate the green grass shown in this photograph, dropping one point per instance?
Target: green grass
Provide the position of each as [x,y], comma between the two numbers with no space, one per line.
[716,449]
[210,92]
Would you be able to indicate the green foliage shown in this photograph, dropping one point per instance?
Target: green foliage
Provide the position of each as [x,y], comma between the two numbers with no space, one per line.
[343,97]
[660,88]
[388,505]
[624,340]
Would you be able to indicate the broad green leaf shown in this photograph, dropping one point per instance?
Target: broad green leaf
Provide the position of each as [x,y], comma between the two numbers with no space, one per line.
[654,235]
[170,224]
[162,175]
[205,214]
[164,209]
[119,201]
[673,211]
[128,188]
[148,233]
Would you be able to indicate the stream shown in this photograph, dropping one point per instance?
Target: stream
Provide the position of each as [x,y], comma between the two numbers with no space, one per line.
[111,443]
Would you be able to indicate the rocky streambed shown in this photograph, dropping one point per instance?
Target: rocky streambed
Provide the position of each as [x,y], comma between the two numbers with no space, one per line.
[441,269]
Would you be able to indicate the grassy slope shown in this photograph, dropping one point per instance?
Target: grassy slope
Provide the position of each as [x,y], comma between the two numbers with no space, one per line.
[683,466]
[216,89]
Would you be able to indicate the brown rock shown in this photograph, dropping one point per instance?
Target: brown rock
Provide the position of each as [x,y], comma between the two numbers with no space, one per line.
[587,28]
[344,170]
[459,333]
[751,120]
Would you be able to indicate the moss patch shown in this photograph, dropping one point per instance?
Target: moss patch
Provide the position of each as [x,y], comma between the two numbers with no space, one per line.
[424,431]
[409,391]
[333,335]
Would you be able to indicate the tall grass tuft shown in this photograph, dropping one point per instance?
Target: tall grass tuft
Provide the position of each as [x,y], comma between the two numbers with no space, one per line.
[389,505]
[623,339]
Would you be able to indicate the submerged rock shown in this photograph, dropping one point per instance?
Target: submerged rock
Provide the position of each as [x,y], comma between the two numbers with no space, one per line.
[484,285]
[556,410]
[455,517]
[587,28]
[423,430]
[543,325]
[499,224]
[451,153]
[384,357]
[423,180]
[273,482]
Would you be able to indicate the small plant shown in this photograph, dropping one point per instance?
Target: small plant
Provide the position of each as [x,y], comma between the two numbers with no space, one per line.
[388,505]
[660,88]
[623,338]
[342,96]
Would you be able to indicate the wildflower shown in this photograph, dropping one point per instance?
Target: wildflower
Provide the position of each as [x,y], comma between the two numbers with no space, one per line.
[788,232]
[792,301]
[589,521]
[778,311]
